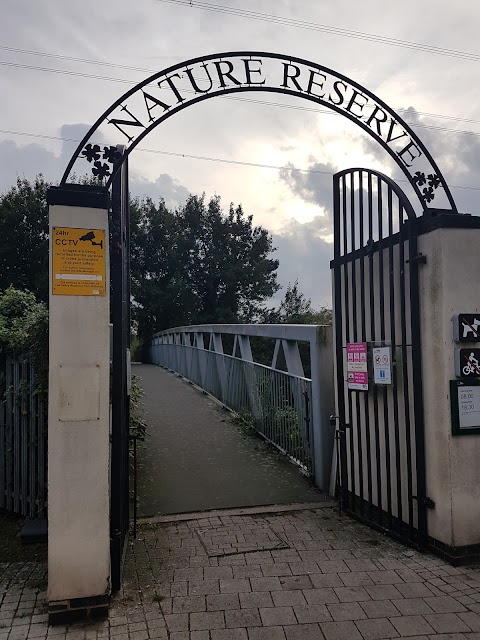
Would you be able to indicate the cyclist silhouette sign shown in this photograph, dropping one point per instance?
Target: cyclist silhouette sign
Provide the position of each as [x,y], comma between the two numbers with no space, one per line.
[467,363]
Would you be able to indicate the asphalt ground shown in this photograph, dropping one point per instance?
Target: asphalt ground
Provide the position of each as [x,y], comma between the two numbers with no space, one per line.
[197,457]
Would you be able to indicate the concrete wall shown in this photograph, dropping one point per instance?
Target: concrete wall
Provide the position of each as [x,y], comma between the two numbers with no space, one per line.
[78,432]
[449,284]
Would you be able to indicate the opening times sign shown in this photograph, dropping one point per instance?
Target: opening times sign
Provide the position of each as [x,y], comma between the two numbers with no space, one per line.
[357,366]
[78,261]
[465,404]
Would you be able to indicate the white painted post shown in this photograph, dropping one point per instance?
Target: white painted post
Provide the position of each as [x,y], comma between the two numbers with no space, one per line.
[78,419]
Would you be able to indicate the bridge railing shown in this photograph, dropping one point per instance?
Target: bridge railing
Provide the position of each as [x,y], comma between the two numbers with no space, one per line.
[287,408]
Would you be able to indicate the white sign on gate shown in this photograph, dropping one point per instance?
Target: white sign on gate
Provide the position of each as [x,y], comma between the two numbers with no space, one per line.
[382,365]
[469,407]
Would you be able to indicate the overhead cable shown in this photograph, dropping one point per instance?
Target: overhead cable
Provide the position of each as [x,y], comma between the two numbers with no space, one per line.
[208,158]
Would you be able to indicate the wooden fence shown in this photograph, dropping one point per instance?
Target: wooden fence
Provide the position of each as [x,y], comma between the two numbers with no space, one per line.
[23,440]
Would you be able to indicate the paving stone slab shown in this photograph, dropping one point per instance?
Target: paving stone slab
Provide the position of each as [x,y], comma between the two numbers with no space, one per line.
[174,590]
[226,541]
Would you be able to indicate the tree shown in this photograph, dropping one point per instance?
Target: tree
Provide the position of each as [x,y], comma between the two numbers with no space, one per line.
[24,330]
[24,237]
[295,308]
[198,265]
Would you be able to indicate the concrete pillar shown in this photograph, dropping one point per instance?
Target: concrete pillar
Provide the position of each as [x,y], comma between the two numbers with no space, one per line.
[323,404]
[449,284]
[78,408]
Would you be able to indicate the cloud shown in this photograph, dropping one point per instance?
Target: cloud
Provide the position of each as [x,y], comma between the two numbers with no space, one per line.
[24,162]
[27,161]
[303,254]
[456,154]
[164,187]
[314,186]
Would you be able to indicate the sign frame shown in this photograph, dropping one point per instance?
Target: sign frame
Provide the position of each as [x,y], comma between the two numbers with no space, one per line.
[457,430]
[384,351]
[358,369]
[79,270]
[460,362]
[471,320]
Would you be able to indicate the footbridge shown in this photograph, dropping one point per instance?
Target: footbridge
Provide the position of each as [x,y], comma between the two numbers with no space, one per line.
[277,383]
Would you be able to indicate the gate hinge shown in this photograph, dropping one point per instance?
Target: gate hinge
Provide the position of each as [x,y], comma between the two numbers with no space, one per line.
[420,258]
[428,503]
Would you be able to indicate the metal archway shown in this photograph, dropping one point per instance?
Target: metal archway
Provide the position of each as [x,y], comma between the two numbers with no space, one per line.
[167,92]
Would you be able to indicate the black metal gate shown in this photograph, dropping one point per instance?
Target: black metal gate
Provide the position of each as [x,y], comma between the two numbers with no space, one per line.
[120,314]
[376,301]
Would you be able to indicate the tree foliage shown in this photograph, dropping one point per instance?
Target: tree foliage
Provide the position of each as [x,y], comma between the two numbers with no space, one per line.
[24,330]
[296,308]
[198,264]
[24,237]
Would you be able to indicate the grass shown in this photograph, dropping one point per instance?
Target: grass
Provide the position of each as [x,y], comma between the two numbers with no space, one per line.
[11,549]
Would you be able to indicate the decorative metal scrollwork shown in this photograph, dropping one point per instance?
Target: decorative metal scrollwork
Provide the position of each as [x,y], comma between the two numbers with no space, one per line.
[432,182]
[93,154]
[167,92]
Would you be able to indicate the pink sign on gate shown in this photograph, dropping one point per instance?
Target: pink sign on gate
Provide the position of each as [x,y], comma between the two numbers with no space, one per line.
[357,368]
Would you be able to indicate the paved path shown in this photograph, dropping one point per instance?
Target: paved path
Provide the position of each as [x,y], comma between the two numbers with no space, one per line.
[195,458]
[319,577]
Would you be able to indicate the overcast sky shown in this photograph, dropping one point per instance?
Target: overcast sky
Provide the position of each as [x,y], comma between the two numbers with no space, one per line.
[117,43]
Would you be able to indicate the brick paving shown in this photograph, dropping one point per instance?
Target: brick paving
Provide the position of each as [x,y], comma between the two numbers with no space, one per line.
[331,578]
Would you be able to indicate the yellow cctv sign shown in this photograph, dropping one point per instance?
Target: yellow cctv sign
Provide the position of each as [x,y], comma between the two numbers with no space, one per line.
[78,261]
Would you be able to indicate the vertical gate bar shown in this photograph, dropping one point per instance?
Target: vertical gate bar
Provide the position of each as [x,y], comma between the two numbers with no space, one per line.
[382,338]
[347,337]
[118,417]
[9,434]
[24,438]
[42,456]
[406,381]
[396,426]
[127,339]
[376,426]
[417,390]
[3,428]
[363,328]
[32,443]
[284,399]
[358,422]
[119,508]
[135,487]
[16,438]
[337,279]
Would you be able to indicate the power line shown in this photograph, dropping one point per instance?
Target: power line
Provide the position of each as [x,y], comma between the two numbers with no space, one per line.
[58,56]
[209,158]
[313,26]
[152,71]
[239,99]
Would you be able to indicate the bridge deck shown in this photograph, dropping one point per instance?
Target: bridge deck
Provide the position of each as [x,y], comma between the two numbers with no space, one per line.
[195,458]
